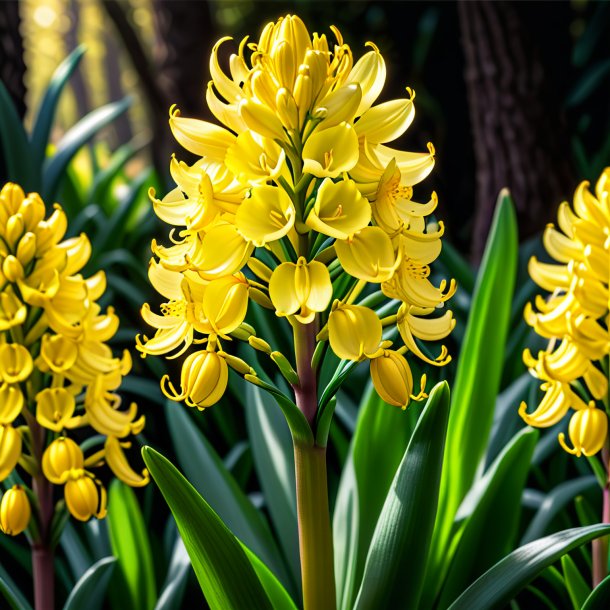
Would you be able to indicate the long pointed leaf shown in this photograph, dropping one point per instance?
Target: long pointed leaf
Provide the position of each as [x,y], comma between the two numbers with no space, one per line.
[225,573]
[394,569]
[11,594]
[177,574]
[502,582]
[90,590]
[600,597]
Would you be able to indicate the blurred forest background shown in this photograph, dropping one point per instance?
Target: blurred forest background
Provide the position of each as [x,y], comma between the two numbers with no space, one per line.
[511,93]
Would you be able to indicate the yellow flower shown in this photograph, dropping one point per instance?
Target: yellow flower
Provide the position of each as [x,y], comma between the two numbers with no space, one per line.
[11,403]
[15,511]
[255,160]
[354,331]
[115,457]
[330,152]
[10,449]
[85,496]
[339,210]
[59,458]
[54,408]
[15,363]
[587,430]
[574,318]
[224,304]
[392,378]
[267,215]
[300,290]
[203,381]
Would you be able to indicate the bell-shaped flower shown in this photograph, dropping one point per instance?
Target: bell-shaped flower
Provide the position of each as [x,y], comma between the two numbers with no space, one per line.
[85,496]
[222,251]
[330,152]
[558,398]
[388,121]
[368,255]
[16,364]
[392,378]
[10,449]
[54,408]
[338,106]
[339,210]
[15,511]
[11,402]
[588,430]
[224,304]
[59,458]
[267,215]
[255,160]
[12,311]
[300,290]
[261,119]
[203,380]
[116,460]
[354,331]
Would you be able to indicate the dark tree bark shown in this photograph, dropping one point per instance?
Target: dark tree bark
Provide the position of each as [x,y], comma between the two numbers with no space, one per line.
[519,138]
[12,66]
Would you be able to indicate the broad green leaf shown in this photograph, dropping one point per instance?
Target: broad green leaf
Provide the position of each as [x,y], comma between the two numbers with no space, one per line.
[226,576]
[274,463]
[130,545]
[54,167]
[15,146]
[496,498]
[212,480]
[501,583]
[578,589]
[46,112]
[554,502]
[172,592]
[395,564]
[345,536]
[478,376]
[90,590]
[600,597]
[379,443]
[77,555]
[11,593]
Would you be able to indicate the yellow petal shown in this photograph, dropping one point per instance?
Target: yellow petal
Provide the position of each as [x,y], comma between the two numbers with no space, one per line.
[15,363]
[354,331]
[369,72]
[11,403]
[61,456]
[392,378]
[330,152]
[10,449]
[54,407]
[225,303]
[15,511]
[115,457]
[588,430]
[339,106]
[386,122]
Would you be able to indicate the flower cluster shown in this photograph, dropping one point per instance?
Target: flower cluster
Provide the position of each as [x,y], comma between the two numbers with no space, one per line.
[575,318]
[57,373]
[297,204]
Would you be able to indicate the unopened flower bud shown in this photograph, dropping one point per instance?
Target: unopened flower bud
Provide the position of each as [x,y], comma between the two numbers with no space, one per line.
[15,511]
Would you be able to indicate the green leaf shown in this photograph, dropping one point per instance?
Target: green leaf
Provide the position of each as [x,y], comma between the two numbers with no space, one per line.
[600,597]
[273,454]
[130,544]
[15,145]
[592,78]
[554,502]
[378,446]
[55,166]
[502,582]
[578,590]
[90,590]
[212,480]
[11,593]
[478,376]
[77,555]
[46,111]
[496,498]
[395,564]
[226,576]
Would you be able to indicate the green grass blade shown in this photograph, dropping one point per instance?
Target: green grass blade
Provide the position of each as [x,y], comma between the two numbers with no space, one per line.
[11,593]
[172,592]
[600,597]
[273,455]
[554,502]
[90,590]
[578,589]
[395,564]
[226,576]
[130,544]
[212,480]
[496,498]
[478,376]
[46,112]
[55,166]
[501,583]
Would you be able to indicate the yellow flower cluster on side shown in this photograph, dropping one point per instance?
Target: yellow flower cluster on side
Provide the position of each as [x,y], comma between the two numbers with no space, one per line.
[298,204]
[57,373]
[575,318]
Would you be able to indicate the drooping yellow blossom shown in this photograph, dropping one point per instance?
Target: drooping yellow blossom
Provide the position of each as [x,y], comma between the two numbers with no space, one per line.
[57,372]
[297,201]
[575,320]
[392,378]
[15,511]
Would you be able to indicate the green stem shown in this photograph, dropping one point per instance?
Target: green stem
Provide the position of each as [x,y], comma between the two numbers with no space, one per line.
[315,538]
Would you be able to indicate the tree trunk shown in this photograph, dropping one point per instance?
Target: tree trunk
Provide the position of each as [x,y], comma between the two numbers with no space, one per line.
[519,139]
